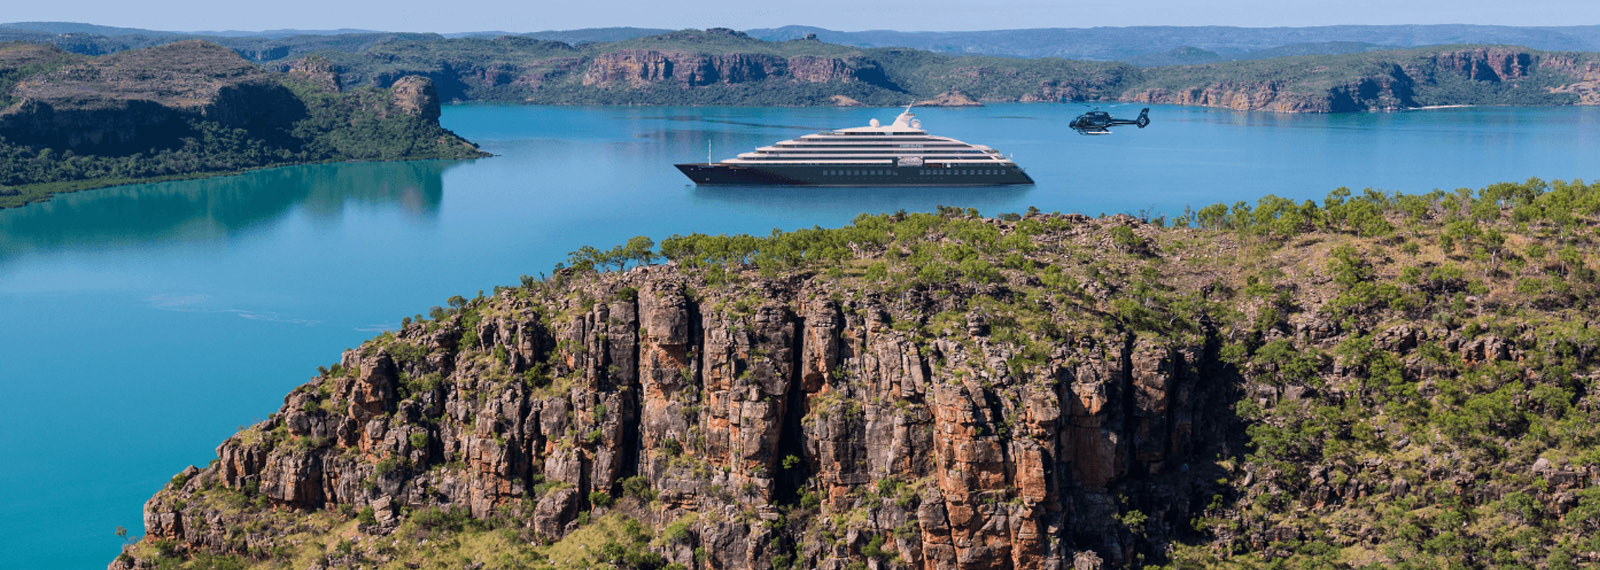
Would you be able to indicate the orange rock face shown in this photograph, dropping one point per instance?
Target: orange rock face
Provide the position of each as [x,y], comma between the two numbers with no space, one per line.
[735,403]
[636,68]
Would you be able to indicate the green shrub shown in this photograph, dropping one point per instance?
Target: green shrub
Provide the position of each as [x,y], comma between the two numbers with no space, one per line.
[638,486]
[366,516]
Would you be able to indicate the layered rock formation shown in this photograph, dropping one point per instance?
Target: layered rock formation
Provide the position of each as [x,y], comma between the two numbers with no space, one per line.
[725,67]
[732,406]
[1380,81]
[943,391]
[128,100]
[950,99]
[723,412]
[192,107]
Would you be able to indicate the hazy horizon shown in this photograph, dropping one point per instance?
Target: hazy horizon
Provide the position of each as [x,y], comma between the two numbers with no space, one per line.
[340,30]
[195,16]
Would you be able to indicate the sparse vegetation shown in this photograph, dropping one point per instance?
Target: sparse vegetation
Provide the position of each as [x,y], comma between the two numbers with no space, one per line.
[1396,380]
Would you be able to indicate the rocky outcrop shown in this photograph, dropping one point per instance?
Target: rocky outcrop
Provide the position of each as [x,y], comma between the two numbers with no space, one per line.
[638,67]
[1388,91]
[137,100]
[1493,64]
[318,71]
[727,410]
[1382,81]
[193,108]
[843,101]
[950,99]
[1242,97]
[1112,395]
[416,96]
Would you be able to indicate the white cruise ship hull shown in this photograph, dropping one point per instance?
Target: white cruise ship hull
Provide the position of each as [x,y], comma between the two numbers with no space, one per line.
[817,175]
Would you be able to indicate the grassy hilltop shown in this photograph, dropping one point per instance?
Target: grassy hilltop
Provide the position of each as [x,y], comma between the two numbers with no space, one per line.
[1370,381]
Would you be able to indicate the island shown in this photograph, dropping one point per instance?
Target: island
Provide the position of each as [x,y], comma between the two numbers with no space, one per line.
[193,108]
[1368,380]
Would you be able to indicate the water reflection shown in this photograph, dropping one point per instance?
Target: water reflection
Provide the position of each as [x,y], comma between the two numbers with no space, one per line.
[215,208]
[805,200]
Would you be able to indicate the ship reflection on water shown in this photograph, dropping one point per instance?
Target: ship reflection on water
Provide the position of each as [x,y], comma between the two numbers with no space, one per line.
[801,199]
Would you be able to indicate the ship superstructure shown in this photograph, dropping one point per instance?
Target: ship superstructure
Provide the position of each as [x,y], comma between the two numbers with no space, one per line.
[897,154]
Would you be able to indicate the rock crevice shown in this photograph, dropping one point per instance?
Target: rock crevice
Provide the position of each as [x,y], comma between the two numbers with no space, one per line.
[727,404]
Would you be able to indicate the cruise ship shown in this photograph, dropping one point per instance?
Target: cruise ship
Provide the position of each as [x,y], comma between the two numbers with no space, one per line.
[898,154]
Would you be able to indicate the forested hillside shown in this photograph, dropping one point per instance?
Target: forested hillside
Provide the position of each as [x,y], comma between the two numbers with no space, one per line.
[71,122]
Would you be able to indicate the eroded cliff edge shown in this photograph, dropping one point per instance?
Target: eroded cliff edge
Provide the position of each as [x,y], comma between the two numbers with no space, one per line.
[944,391]
[193,108]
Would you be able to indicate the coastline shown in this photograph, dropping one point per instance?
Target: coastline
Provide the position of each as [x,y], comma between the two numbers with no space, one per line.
[43,192]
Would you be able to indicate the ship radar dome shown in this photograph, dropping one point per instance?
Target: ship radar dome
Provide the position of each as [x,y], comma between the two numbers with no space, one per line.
[873,122]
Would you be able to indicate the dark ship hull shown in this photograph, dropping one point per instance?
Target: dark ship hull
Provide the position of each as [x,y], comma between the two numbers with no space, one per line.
[814,175]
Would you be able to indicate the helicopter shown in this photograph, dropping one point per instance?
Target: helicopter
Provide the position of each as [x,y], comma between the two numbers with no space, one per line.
[1099,122]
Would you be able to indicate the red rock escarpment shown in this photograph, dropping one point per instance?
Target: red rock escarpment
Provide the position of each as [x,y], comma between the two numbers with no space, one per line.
[727,406]
[637,67]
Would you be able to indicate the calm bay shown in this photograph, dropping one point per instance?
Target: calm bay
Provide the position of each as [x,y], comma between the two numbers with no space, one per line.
[144,324]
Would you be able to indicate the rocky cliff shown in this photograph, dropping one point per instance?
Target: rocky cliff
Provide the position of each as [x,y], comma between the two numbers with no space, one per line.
[732,415]
[726,67]
[192,107]
[1379,81]
[943,391]
[136,100]
[633,68]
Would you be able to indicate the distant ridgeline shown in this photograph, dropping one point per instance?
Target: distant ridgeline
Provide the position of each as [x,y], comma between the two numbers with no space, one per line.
[725,67]
[192,108]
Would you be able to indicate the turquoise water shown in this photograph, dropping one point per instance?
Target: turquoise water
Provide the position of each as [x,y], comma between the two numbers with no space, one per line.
[139,326]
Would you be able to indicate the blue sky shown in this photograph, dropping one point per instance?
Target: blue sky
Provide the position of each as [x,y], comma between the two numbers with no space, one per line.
[535,15]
